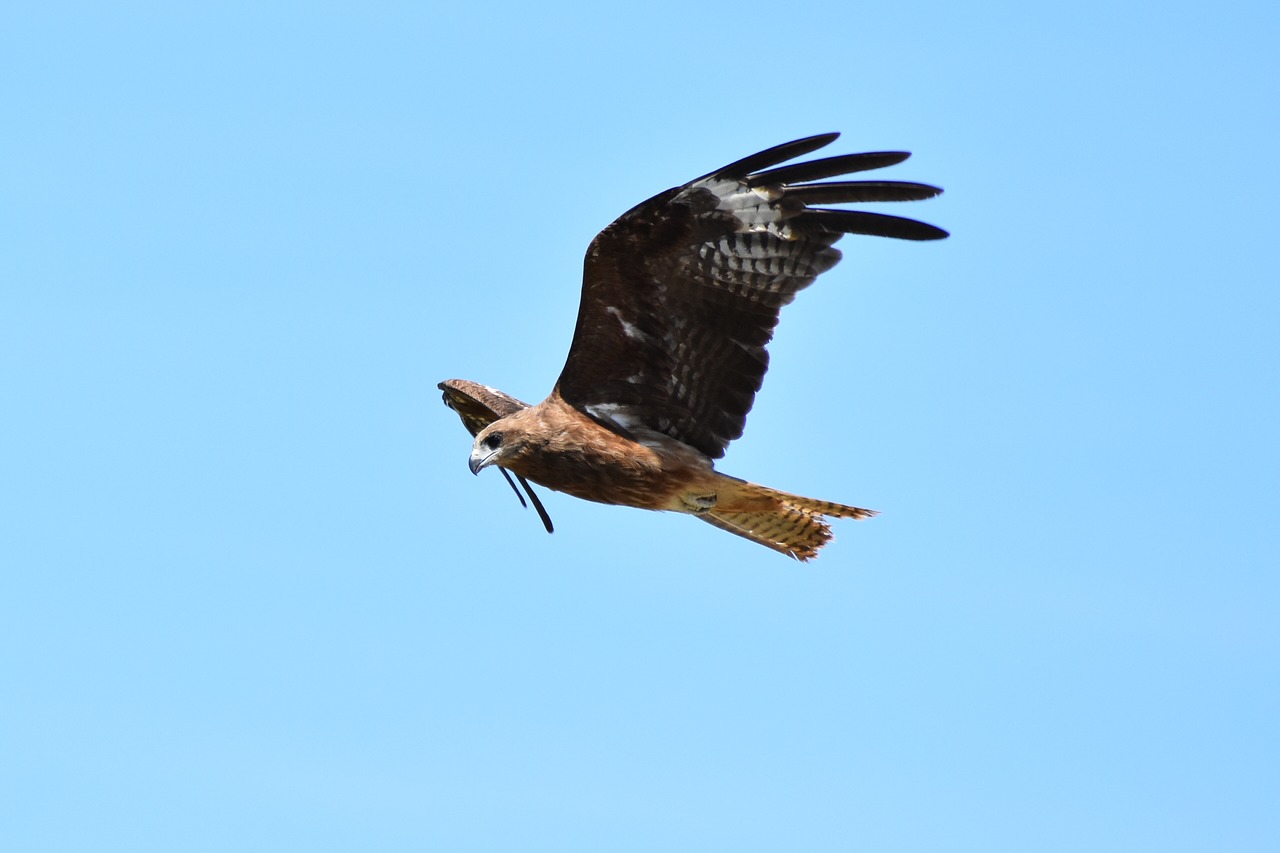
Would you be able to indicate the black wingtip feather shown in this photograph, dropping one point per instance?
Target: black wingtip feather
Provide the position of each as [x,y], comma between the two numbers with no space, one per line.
[537,504]
[864,222]
[510,483]
[828,167]
[861,191]
[773,156]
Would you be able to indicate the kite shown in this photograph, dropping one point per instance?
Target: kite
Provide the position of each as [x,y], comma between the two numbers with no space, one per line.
[680,297]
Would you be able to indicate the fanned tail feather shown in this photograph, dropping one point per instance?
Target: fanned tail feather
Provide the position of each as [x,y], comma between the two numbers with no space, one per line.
[787,523]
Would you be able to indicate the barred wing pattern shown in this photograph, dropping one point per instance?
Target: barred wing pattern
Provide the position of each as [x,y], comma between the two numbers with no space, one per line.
[682,293]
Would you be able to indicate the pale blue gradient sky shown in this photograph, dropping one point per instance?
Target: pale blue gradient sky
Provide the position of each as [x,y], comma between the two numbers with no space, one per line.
[253,600]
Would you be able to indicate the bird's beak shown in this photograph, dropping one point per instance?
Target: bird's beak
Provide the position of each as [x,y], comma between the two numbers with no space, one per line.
[479,460]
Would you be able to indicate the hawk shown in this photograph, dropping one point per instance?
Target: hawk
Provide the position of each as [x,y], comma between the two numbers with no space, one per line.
[680,296]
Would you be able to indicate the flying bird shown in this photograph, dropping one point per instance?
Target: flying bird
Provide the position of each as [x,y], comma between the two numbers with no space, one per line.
[680,297]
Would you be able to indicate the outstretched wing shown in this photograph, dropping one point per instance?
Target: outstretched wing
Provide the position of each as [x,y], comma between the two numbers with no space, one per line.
[478,406]
[681,294]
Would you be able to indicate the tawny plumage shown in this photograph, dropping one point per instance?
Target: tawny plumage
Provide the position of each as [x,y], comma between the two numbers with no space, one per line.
[680,297]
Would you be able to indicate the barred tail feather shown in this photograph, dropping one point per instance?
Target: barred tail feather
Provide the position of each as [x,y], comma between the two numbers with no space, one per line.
[790,524]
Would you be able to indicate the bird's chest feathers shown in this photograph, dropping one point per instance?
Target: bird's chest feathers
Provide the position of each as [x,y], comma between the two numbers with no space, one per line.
[594,463]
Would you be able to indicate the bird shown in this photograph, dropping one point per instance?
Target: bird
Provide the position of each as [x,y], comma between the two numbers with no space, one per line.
[680,298]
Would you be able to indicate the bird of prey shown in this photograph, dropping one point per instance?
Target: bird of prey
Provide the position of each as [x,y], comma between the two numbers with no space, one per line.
[680,297]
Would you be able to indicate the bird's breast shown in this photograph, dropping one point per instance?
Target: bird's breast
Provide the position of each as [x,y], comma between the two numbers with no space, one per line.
[599,465]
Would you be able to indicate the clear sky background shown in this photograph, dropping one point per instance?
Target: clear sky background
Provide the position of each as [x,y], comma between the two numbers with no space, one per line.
[251,599]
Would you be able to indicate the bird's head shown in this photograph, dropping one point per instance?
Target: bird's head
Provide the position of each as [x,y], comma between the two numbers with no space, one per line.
[489,447]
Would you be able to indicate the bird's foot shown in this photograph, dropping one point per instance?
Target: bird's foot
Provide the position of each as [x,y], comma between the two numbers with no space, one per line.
[698,504]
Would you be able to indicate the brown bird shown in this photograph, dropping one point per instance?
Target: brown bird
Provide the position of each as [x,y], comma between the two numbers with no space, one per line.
[680,296]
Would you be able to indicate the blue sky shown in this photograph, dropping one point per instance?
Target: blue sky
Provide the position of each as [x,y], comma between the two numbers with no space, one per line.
[253,600]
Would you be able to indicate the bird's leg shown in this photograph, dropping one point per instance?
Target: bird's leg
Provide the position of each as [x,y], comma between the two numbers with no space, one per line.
[698,504]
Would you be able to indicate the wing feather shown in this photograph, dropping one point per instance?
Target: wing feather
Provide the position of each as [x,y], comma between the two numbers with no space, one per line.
[681,294]
[775,155]
[827,167]
[478,405]
[837,222]
[853,191]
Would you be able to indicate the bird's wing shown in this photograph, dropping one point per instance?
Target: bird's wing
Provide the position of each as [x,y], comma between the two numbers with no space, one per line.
[681,294]
[478,406]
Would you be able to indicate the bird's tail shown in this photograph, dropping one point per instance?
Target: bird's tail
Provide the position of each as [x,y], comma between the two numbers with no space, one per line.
[790,524]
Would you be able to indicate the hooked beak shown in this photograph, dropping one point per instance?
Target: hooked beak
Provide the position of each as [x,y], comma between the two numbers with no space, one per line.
[479,460]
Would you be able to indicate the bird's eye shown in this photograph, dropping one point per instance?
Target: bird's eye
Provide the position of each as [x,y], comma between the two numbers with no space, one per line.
[493,440]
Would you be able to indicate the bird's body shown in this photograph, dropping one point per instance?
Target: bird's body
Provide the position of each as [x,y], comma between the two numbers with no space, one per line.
[680,297]
[565,450]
